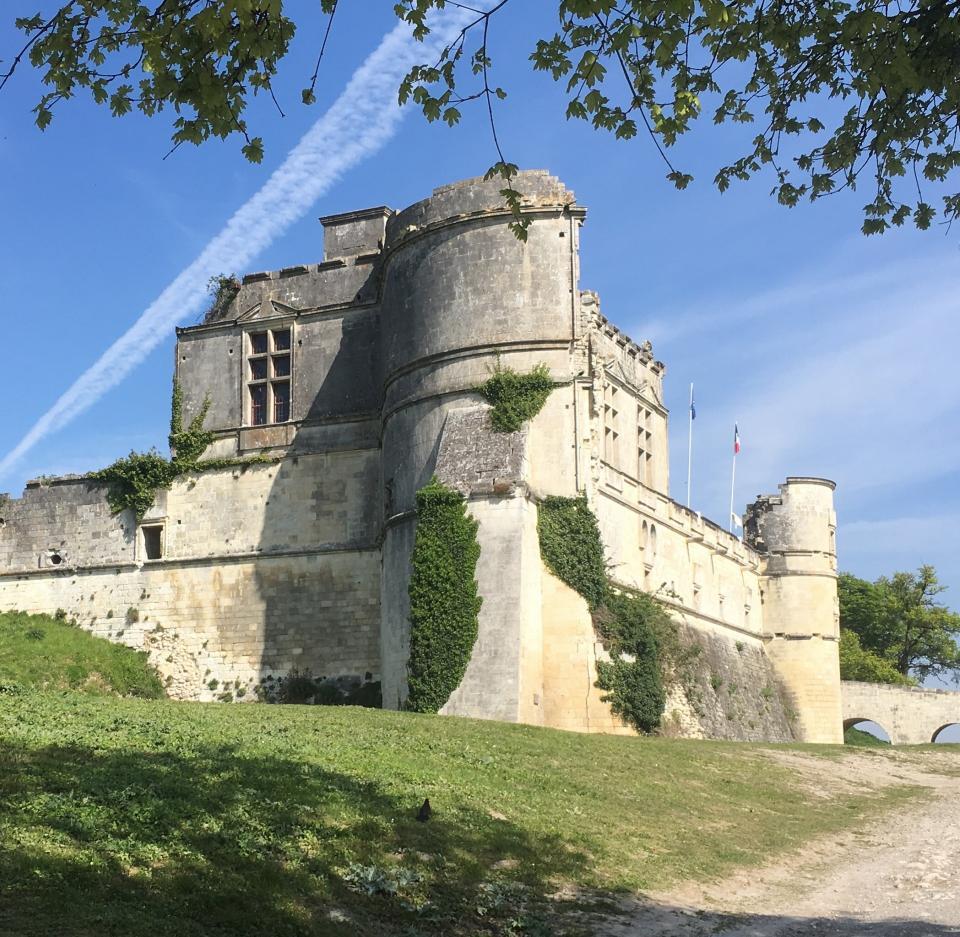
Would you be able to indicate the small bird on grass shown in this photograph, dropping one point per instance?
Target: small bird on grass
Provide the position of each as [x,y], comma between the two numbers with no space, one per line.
[424,813]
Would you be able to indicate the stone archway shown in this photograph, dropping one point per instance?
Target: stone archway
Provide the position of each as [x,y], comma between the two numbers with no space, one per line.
[870,727]
[951,731]
[912,715]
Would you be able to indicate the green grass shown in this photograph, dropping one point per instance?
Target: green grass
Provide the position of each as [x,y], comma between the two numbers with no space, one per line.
[861,739]
[50,653]
[129,817]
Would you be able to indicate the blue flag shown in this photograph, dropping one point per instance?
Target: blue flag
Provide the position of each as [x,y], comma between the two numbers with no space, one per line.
[693,409]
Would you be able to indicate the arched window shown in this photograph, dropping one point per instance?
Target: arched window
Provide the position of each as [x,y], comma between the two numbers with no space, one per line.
[650,545]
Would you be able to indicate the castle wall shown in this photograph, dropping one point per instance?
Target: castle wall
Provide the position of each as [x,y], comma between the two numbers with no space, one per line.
[658,546]
[62,525]
[628,439]
[571,649]
[264,568]
[508,623]
[733,691]
[225,621]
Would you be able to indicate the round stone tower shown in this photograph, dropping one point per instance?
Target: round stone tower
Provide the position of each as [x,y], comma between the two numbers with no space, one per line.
[460,294]
[795,532]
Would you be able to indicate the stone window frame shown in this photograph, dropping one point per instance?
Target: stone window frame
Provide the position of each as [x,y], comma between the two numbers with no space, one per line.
[696,581]
[611,425]
[644,443]
[648,547]
[267,327]
[617,434]
[152,524]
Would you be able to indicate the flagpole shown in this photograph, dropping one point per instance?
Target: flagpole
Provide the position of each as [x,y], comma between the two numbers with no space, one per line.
[733,478]
[690,443]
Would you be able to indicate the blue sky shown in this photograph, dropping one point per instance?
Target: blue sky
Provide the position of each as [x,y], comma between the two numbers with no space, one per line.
[835,353]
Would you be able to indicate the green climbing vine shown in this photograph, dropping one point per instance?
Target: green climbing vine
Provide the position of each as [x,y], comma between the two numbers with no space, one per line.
[516,397]
[444,605]
[187,445]
[634,627]
[133,482]
[571,546]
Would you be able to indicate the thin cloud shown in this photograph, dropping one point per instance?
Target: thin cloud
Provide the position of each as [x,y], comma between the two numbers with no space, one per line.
[868,411]
[851,383]
[359,123]
[811,290]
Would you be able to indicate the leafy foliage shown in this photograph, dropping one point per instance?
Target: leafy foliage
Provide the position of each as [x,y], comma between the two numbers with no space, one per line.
[859,664]
[627,625]
[200,60]
[899,620]
[634,628]
[444,605]
[37,651]
[833,93]
[133,482]
[516,397]
[839,92]
[187,445]
[301,687]
[224,290]
[571,547]
[857,737]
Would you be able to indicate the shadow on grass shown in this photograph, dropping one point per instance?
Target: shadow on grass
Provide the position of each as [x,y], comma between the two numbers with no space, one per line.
[207,841]
[676,922]
[212,842]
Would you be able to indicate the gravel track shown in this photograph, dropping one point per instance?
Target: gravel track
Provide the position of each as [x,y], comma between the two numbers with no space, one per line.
[899,876]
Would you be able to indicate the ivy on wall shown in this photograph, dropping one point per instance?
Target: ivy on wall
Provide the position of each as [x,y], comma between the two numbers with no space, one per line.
[516,397]
[187,445]
[444,605]
[133,482]
[628,625]
[635,629]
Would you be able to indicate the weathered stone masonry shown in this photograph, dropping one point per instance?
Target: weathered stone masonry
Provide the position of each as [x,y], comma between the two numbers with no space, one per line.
[304,562]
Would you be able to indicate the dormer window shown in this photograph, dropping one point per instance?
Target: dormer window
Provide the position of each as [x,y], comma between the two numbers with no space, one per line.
[269,369]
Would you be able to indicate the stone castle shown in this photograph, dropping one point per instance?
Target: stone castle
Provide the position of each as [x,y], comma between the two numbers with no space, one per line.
[357,376]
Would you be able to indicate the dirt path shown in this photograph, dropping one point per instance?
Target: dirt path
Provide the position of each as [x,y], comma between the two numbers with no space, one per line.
[899,877]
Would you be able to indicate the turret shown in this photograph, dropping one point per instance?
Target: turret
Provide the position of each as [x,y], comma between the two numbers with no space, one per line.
[460,296]
[795,532]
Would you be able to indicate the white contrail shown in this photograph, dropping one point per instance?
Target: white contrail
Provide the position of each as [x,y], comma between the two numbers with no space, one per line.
[358,124]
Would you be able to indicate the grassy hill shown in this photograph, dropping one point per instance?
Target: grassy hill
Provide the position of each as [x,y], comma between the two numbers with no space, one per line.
[163,819]
[50,653]
[854,736]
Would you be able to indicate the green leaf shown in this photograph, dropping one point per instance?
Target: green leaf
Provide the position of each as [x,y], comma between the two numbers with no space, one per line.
[44,116]
[254,150]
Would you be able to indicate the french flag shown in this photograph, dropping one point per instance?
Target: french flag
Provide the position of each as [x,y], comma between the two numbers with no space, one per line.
[736,439]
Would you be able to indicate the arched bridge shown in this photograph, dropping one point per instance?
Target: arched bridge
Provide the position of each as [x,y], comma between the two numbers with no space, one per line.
[909,715]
